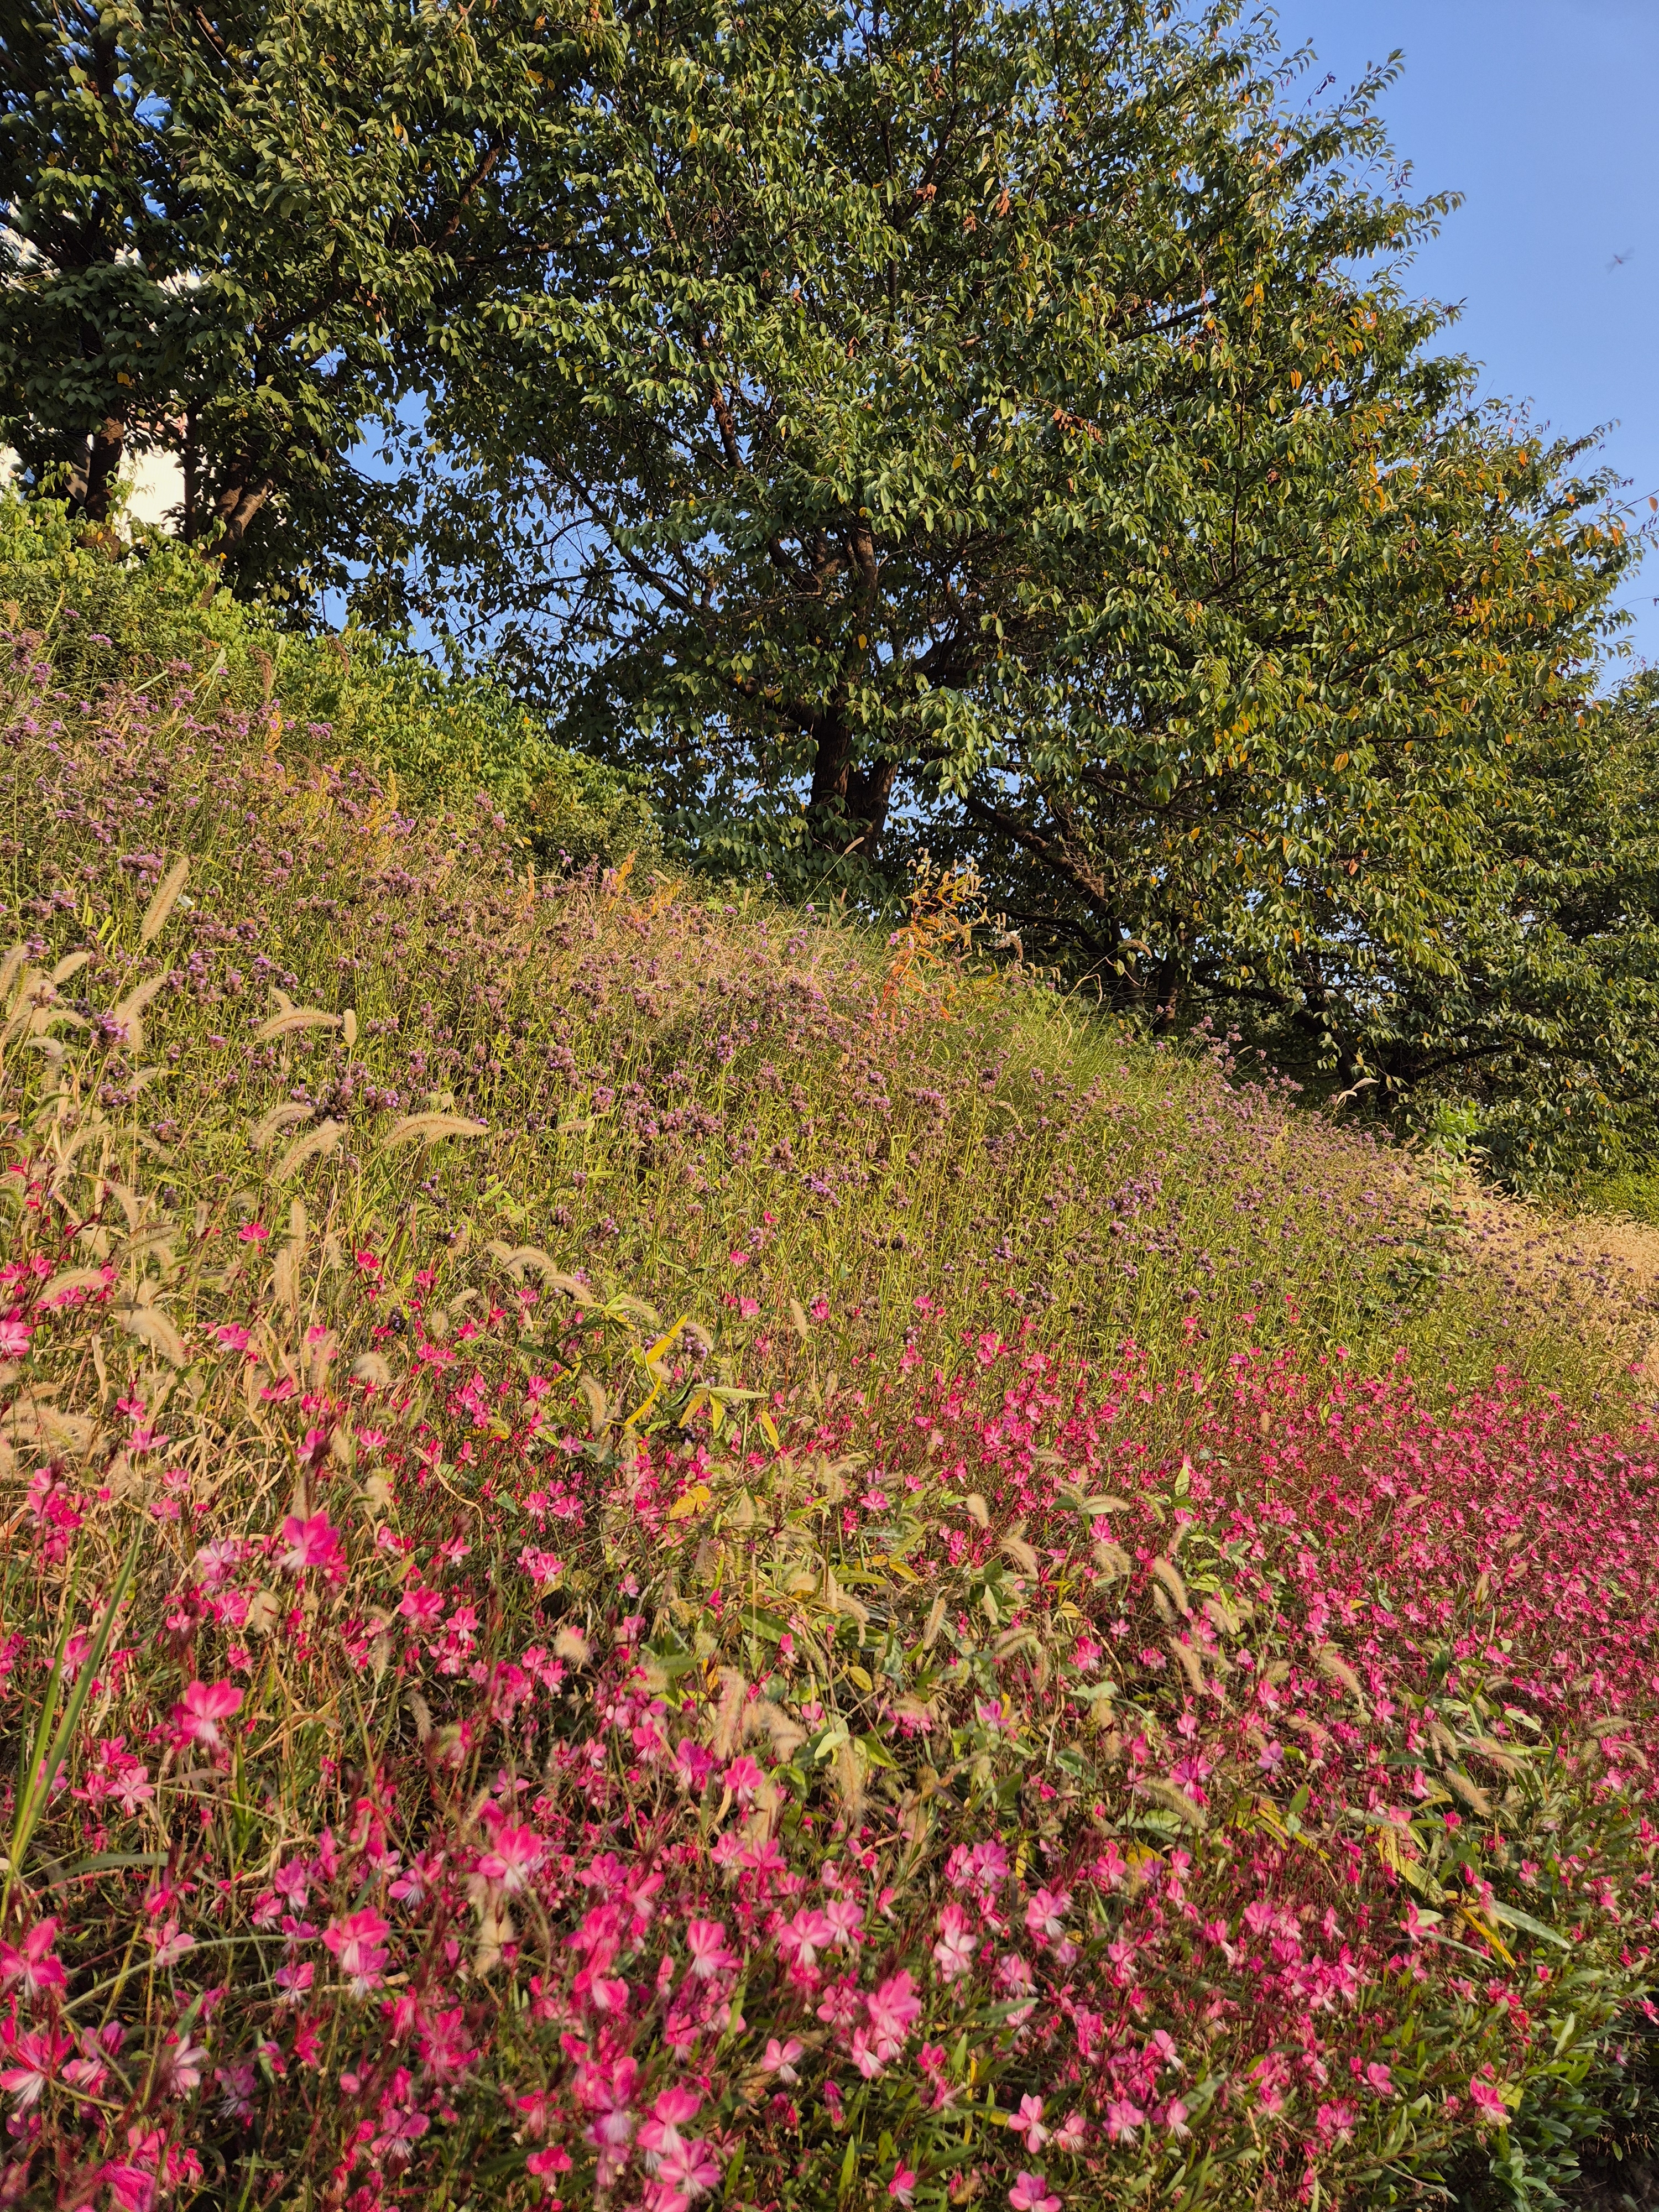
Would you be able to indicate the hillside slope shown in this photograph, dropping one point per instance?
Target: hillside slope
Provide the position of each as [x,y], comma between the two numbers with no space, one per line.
[653,1552]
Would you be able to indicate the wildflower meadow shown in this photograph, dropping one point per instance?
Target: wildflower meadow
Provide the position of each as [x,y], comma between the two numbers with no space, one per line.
[655,1557]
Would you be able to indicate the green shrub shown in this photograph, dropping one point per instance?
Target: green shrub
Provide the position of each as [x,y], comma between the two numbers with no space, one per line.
[444,737]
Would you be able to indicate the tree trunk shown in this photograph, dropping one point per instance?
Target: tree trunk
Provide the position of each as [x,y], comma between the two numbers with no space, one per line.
[103,469]
[866,793]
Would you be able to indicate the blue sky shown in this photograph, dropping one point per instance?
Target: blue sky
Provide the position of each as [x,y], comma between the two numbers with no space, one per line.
[1544,114]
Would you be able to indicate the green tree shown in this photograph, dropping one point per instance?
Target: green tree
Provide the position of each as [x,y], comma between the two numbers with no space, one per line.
[1006,429]
[230,228]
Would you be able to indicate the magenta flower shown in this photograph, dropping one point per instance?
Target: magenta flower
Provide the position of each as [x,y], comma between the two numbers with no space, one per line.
[953,1953]
[357,1942]
[197,1716]
[312,1544]
[689,2170]
[31,2060]
[743,1779]
[894,2009]
[512,1858]
[1029,2194]
[801,1939]
[33,1963]
[1027,2122]
[14,1334]
[780,2058]
[706,1940]
[1487,2103]
[903,2186]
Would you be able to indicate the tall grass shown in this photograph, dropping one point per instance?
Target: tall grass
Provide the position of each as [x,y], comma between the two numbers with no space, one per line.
[702,1097]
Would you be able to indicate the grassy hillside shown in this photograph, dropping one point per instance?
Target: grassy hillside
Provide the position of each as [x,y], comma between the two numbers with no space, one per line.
[659,1552]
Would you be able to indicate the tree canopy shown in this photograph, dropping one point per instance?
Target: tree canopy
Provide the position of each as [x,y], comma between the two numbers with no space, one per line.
[1009,432]
[225,225]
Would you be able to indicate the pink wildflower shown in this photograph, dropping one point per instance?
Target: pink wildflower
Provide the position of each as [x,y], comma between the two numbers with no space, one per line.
[1488,2104]
[356,1940]
[801,1939]
[312,1543]
[689,2170]
[743,1779]
[512,1858]
[28,2061]
[953,1953]
[780,2058]
[706,1940]
[34,1963]
[197,1716]
[1030,2194]
[1027,2123]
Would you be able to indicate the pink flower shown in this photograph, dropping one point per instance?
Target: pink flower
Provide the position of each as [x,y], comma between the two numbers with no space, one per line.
[780,2058]
[1045,1916]
[1380,2079]
[743,1779]
[252,1233]
[953,1953]
[33,2059]
[1123,2118]
[548,2163]
[171,1943]
[845,1919]
[131,2187]
[903,2186]
[706,1940]
[516,1854]
[659,2134]
[1335,2123]
[35,1964]
[1027,2122]
[197,1716]
[894,2010]
[1029,2194]
[1485,2100]
[312,1543]
[15,1336]
[606,2091]
[801,1939]
[356,1940]
[689,2170]
[423,1608]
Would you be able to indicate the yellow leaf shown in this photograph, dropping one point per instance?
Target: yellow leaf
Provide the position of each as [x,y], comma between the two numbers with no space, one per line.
[1489,1935]
[663,1342]
[693,1502]
[768,1428]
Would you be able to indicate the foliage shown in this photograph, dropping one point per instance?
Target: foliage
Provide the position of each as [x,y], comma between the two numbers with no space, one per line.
[442,739]
[986,440]
[1546,1019]
[487,1740]
[224,224]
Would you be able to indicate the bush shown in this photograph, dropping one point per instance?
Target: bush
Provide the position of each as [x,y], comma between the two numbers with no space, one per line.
[159,609]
